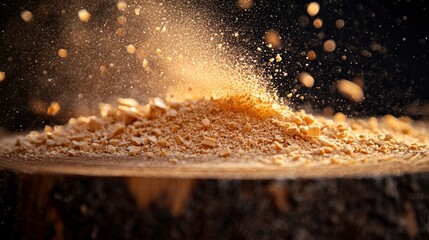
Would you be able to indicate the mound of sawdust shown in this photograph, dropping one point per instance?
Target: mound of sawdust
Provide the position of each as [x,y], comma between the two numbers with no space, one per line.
[228,127]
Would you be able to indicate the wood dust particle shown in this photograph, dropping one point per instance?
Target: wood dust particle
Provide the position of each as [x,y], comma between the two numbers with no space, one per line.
[84,15]
[209,142]
[27,16]
[226,152]
[145,63]
[206,122]
[329,45]
[350,90]
[53,109]
[339,117]
[121,5]
[245,4]
[131,49]
[272,37]
[317,23]
[63,53]
[311,55]
[122,20]
[278,146]
[306,79]
[121,32]
[313,8]
[180,140]
[340,23]
[129,102]
[314,131]
[152,139]
[2,76]
[159,103]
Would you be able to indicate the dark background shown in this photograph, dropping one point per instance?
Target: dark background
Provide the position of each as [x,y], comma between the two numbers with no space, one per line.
[393,80]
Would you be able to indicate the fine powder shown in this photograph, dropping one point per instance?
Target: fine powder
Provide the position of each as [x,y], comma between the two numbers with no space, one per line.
[229,128]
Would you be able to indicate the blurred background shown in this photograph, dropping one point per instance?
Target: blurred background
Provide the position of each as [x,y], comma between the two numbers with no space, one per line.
[51,52]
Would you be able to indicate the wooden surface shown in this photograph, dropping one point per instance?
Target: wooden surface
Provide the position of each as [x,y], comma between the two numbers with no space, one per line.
[246,167]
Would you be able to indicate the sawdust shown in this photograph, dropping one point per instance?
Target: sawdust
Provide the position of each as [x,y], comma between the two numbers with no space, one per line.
[225,127]
[240,119]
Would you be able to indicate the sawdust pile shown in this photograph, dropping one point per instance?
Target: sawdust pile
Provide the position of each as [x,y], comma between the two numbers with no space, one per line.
[227,128]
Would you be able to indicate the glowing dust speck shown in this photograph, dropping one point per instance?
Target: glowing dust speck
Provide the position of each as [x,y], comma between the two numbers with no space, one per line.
[63,53]
[311,55]
[306,79]
[2,76]
[131,49]
[317,23]
[27,16]
[84,15]
[122,5]
[272,37]
[53,109]
[340,23]
[245,4]
[313,8]
[350,90]
[329,45]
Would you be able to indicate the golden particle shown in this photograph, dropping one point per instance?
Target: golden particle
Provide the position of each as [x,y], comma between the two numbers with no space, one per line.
[273,38]
[27,16]
[122,5]
[311,55]
[314,131]
[313,8]
[329,45]
[339,117]
[206,122]
[292,131]
[226,152]
[63,53]
[306,79]
[350,90]
[340,23]
[53,109]
[209,142]
[122,20]
[245,4]
[2,76]
[121,32]
[84,15]
[317,23]
[131,49]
